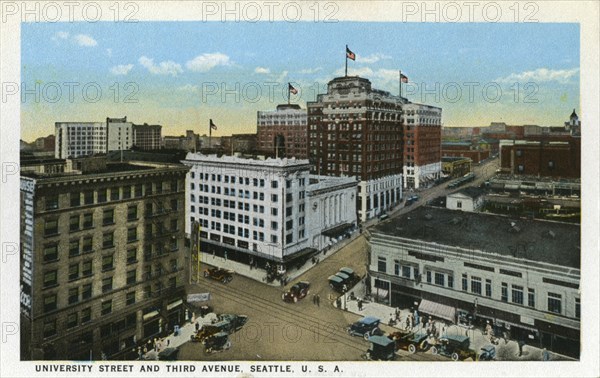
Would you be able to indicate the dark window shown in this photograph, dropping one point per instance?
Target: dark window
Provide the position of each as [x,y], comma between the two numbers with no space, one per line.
[107,284]
[102,195]
[86,291]
[131,277]
[87,244]
[274,198]
[289,238]
[504,294]
[73,271]
[554,303]
[86,268]
[289,197]
[289,225]
[86,315]
[274,184]
[127,192]
[73,295]
[72,320]
[50,278]
[174,205]
[51,227]
[130,298]
[88,220]
[52,202]
[517,294]
[75,198]
[51,252]
[450,281]
[138,190]
[531,297]
[106,307]
[288,211]
[439,279]
[488,288]
[50,303]
[49,328]
[107,262]
[578,308]
[131,234]
[74,223]
[381,264]
[88,198]
[465,283]
[108,240]
[74,248]
[114,194]
[131,255]
[476,285]
[132,213]
[108,216]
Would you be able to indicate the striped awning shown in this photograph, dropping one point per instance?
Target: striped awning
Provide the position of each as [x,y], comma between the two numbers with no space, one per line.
[438,310]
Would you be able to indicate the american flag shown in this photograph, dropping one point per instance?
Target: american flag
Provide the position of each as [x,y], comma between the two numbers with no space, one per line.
[350,54]
[404,78]
[292,89]
[212,125]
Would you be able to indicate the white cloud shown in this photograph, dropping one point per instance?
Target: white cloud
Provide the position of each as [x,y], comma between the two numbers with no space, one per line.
[163,68]
[206,62]
[365,72]
[310,70]
[121,69]
[85,40]
[262,70]
[188,88]
[540,75]
[373,58]
[60,35]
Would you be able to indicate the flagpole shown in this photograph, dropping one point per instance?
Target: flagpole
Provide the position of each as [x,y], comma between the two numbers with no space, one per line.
[289,93]
[346,54]
[400,78]
[209,134]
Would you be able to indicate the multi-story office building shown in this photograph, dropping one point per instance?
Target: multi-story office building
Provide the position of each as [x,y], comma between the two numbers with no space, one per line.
[356,130]
[282,133]
[102,266]
[147,137]
[265,210]
[77,139]
[422,144]
[521,275]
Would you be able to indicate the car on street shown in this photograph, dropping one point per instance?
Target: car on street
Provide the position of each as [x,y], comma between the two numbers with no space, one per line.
[234,322]
[296,292]
[169,354]
[487,353]
[410,341]
[219,274]
[208,330]
[455,347]
[336,283]
[365,327]
[382,349]
[217,342]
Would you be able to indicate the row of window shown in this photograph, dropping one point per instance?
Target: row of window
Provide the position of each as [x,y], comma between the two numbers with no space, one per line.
[478,286]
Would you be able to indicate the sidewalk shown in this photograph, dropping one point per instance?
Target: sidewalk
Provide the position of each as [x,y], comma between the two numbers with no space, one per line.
[172,341]
[259,274]
[506,350]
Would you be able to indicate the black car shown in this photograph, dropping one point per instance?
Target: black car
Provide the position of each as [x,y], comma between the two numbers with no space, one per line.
[217,342]
[235,322]
[296,292]
[382,349]
[365,327]
[169,354]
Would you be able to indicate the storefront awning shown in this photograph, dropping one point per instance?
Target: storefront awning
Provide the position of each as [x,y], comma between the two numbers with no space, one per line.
[438,310]
[381,293]
[336,231]
[300,253]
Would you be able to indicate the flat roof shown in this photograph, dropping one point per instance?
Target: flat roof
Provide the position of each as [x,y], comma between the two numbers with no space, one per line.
[537,240]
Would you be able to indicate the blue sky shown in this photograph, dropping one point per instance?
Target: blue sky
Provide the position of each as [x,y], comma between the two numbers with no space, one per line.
[187,72]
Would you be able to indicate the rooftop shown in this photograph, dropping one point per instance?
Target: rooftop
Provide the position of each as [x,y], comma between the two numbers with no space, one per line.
[549,242]
[470,191]
[269,162]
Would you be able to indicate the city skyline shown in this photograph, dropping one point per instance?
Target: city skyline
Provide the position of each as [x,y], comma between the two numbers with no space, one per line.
[181,80]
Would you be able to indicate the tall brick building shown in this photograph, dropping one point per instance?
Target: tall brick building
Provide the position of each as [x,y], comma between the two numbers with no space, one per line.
[103,263]
[282,133]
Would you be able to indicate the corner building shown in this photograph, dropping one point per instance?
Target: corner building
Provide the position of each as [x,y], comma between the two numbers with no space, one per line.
[102,267]
[355,130]
[520,275]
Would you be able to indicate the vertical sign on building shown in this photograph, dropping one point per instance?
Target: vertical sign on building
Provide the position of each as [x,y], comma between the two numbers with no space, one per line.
[27,199]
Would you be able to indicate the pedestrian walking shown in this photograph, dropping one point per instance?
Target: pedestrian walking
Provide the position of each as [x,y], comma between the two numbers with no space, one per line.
[360,304]
[545,355]
[314,298]
[197,326]
[521,345]
[318,300]
[225,255]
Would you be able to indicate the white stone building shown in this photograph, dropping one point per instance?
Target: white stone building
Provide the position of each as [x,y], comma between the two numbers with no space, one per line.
[269,210]
[467,199]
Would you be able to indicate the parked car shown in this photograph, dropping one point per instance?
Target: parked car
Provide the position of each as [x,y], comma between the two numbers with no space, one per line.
[234,322]
[336,283]
[219,274]
[455,347]
[365,327]
[217,342]
[208,330]
[296,292]
[169,354]
[382,349]
[488,353]
[410,341]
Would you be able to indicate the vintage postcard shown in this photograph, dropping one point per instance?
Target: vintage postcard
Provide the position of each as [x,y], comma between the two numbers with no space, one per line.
[280,188]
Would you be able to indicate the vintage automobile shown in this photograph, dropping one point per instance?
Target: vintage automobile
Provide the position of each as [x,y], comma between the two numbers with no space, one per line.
[208,330]
[336,282]
[488,353]
[234,322]
[382,349]
[353,278]
[455,347]
[296,292]
[365,327]
[410,341]
[217,342]
[169,354]
[219,274]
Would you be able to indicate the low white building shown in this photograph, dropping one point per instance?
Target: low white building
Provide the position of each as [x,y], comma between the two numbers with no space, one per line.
[467,199]
[273,209]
